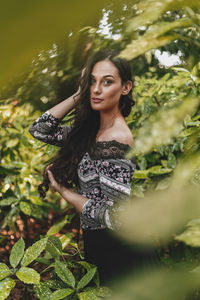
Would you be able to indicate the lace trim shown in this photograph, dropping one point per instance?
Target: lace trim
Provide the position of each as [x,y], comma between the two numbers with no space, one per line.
[109,149]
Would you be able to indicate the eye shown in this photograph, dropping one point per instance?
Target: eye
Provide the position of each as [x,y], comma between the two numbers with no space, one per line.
[107,82]
[92,80]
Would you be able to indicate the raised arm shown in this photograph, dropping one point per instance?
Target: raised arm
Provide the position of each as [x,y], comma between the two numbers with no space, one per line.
[47,129]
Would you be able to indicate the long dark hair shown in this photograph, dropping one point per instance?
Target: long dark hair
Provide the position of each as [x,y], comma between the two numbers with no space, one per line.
[86,122]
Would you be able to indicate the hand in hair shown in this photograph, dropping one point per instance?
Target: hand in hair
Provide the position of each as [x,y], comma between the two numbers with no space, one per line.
[55,186]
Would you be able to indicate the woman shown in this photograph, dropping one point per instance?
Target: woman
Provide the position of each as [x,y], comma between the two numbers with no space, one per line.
[92,157]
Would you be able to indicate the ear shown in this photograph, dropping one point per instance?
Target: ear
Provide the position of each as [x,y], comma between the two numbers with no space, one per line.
[127,87]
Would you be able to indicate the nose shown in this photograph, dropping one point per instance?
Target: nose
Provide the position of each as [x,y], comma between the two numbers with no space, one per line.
[96,88]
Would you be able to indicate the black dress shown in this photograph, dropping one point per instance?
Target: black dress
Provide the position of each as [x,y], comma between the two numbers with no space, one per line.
[105,177]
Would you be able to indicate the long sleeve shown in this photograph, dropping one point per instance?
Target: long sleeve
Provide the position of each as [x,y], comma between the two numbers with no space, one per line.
[115,176]
[47,129]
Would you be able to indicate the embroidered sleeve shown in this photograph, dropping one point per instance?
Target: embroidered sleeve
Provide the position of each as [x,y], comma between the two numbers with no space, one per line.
[115,176]
[47,129]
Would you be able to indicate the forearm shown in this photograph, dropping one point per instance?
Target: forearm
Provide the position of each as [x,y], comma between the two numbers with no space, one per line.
[61,109]
[74,198]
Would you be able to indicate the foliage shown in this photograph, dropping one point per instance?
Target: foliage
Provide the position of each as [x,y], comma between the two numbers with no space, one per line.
[66,277]
[165,123]
[21,167]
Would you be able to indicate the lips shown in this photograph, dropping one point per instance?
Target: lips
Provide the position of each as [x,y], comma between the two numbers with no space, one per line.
[96,100]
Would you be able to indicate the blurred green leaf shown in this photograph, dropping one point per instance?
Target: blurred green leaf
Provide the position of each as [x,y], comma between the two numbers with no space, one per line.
[25,208]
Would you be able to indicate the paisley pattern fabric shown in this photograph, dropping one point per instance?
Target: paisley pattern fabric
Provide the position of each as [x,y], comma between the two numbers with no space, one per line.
[104,174]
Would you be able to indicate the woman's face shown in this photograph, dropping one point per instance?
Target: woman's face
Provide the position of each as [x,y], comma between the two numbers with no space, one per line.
[105,87]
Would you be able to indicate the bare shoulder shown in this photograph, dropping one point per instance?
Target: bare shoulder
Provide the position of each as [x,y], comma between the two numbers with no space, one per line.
[123,136]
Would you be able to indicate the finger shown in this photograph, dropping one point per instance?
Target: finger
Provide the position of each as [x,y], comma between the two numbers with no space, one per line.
[50,176]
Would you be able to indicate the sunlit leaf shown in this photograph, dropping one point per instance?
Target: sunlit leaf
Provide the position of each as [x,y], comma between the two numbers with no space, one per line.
[28,275]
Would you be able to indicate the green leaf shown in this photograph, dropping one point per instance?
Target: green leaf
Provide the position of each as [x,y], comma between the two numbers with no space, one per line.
[54,246]
[4,271]
[65,239]
[64,273]
[163,184]
[25,208]
[18,126]
[137,190]
[158,170]
[90,294]
[42,291]
[6,286]
[27,187]
[140,174]
[86,278]
[191,236]
[12,143]
[33,252]
[28,275]
[17,191]
[57,227]
[104,291]
[142,163]
[86,265]
[8,201]
[189,131]
[60,294]
[17,252]
[54,284]
[171,163]
[36,211]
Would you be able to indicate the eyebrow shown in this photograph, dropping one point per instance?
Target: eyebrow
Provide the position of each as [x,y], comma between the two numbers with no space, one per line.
[104,76]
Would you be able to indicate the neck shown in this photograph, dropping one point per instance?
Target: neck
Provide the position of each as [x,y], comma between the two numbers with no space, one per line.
[107,118]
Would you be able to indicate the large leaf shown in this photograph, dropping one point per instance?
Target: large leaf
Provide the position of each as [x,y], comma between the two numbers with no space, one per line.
[58,226]
[104,291]
[8,201]
[54,246]
[86,278]
[17,252]
[28,275]
[25,208]
[151,10]
[64,273]
[62,293]
[89,294]
[191,236]
[6,286]
[4,271]
[42,291]
[30,36]
[33,252]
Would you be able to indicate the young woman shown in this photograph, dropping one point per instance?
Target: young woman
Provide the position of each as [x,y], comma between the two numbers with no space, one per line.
[92,158]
